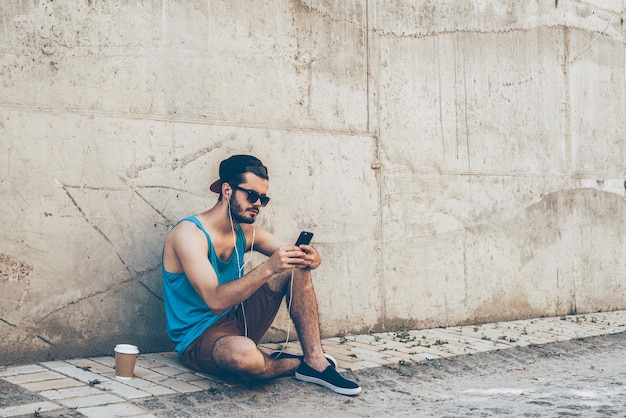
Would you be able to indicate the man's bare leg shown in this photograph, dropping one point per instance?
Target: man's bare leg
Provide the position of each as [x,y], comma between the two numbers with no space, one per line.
[240,355]
[316,367]
[305,317]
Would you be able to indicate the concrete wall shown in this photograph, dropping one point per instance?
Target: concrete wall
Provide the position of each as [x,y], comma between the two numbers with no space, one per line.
[458,161]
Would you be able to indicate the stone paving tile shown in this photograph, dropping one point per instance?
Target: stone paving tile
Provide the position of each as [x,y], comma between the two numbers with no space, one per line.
[141,382]
[449,343]
[568,329]
[548,331]
[524,335]
[385,360]
[180,386]
[189,377]
[51,384]
[143,372]
[28,409]
[16,370]
[388,349]
[123,390]
[584,328]
[91,400]
[157,378]
[147,363]
[166,360]
[170,354]
[527,329]
[426,356]
[365,364]
[93,366]
[108,361]
[169,371]
[73,392]
[74,372]
[52,365]
[158,390]
[402,355]
[206,384]
[499,337]
[117,410]
[416,346]
[33,377]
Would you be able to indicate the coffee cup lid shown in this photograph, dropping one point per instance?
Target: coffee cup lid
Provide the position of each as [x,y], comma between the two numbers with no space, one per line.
[126,349]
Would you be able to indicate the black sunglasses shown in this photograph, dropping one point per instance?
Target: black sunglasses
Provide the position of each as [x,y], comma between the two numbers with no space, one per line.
[253,196]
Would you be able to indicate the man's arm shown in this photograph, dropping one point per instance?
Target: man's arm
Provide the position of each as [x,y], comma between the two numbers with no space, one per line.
[190,248]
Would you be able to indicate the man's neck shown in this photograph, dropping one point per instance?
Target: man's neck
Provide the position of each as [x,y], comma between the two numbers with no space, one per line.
[218,218]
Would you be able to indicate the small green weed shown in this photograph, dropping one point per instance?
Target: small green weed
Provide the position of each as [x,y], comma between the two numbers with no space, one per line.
[404,336]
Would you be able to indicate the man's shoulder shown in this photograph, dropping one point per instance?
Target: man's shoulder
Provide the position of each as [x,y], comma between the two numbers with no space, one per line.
[186,229]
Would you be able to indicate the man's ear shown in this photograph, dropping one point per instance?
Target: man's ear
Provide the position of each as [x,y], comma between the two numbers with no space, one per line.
[226,190]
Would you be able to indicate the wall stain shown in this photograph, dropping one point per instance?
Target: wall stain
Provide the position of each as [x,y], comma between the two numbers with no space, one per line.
[15,272]
[13,269]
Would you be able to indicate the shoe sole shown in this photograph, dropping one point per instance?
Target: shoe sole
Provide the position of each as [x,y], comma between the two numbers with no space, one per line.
[322,382]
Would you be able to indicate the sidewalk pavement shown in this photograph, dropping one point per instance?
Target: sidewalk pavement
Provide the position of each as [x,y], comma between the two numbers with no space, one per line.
[88,387]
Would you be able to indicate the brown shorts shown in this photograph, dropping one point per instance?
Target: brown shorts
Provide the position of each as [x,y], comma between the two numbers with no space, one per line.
[260,310]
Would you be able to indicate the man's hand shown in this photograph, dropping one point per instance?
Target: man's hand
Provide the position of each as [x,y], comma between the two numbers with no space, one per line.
[312,258]
[290,256]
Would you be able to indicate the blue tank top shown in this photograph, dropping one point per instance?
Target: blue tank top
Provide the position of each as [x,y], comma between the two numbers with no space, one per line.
[186,313]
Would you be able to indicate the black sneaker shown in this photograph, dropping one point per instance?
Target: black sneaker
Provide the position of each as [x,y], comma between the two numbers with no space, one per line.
[278,354]
[328,378]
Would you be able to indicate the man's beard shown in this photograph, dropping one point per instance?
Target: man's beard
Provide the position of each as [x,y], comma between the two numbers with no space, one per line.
[238,214]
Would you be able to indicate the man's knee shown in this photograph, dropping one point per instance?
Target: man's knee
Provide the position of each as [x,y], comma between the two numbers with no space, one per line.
[279,282]
[239,355]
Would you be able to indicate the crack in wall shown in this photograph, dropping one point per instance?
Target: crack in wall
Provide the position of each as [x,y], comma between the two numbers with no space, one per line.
[133,171]
[32,331]
[430,34]
[330,17]
[50,343]
[145,286]
[593,41]
[7,322]
[24,294]
[90,222]
[108,289]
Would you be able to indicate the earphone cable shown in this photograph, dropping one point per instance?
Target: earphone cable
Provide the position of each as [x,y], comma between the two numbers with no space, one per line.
[240,263]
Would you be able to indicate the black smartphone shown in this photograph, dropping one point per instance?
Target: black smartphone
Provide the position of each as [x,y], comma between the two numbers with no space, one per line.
[304,238]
